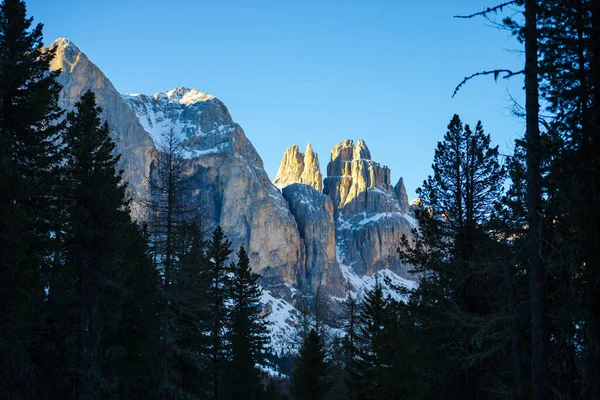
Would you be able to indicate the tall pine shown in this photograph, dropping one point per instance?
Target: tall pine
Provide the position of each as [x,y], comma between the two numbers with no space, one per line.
[458,258]
[104,274]
[310,377]
[29,154]
[247,331]
[219,249]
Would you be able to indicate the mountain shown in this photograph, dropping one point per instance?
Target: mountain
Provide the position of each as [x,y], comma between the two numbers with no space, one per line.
[303,234]
[299,167]
[369,214]
[134,144]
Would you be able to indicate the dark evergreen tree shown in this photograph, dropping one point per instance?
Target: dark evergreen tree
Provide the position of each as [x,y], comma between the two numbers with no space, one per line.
[104,272]
[371,362]
[310,379]
[133,347]
[350,317]
[169,211]
[189,313]
[246,332]
[219,249]
[29,154]
[458,259]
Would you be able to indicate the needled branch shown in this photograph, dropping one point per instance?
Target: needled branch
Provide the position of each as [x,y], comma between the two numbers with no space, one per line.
[496,72]
[488,10]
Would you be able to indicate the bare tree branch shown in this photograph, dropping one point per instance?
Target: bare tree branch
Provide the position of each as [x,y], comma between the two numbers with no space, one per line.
[496,72]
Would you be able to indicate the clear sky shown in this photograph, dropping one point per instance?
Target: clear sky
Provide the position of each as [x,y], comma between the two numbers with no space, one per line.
[322,71]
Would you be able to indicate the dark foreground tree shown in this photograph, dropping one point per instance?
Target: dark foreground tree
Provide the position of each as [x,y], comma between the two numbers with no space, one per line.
[371,363]
[310,377]
[457,257]
[28,159]
[189,313]
[219,249]
[104,271]
[247,332]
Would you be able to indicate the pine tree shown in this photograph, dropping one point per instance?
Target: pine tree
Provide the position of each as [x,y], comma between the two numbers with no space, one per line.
[104,271]
[135,344]
[247,332]
[458,257]
[168,211]
[350,316]
[190,311]
[219,249]
[29,154]
[371,361]
[310,376]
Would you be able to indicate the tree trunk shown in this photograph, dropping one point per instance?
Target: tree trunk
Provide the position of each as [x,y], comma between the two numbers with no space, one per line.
[81,333]
[535,267]
[515,339]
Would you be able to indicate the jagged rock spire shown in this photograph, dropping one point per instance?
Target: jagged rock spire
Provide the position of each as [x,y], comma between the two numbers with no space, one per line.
[297,167]
[401,194]
[351,173]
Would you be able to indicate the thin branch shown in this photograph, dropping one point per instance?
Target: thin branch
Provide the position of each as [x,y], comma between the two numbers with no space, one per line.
[496,72]
[488,10]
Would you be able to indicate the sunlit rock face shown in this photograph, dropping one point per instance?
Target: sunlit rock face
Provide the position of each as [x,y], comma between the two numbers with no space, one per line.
[132,141]
[371,215]
[230,184]
[356,183]
[227,177]
[297,167]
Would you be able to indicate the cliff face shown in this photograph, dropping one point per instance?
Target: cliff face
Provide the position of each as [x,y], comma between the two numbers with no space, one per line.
[228,179]
[369,214]
[313,212]
[134,144]
[299,167]
[355,183]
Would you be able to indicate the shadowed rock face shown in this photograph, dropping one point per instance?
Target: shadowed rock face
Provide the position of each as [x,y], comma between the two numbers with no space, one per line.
[400,191]
[299,167]
[314,214]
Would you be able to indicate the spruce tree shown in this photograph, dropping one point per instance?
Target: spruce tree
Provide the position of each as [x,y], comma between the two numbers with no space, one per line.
[29,154]
[168,211]
[458,258]
[247,332]
[310,377]
[189,313]
[371,359]
[104,272]
[219,249]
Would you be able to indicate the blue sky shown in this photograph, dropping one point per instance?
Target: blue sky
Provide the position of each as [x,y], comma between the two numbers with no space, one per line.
[291,72]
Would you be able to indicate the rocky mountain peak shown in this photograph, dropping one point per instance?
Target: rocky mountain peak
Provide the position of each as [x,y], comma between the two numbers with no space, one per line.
[400,191]
[351,173]
[78,75]
[361,151]
[200,121]
[184,96]
[64,43]
[297,167]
